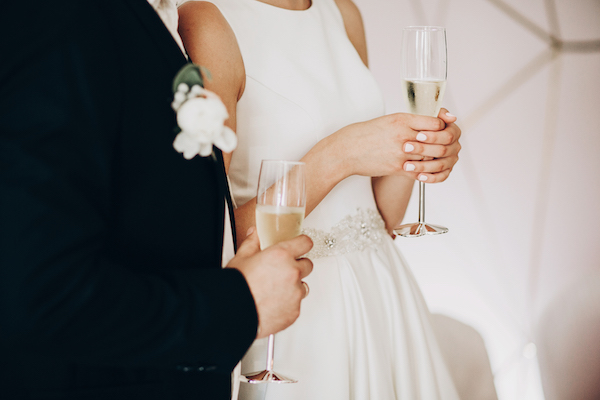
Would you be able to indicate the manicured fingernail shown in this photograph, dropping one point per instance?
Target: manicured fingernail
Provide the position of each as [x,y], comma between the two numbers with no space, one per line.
[422,178]
[421,137]
[450,115]
[250,231]
[408,147]
[409,167]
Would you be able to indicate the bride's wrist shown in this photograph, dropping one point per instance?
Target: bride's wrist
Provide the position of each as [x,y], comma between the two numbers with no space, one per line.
[324,163]
[337,158]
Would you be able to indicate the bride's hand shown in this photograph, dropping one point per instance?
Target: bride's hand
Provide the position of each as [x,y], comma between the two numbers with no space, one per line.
[440,151]
[391,144]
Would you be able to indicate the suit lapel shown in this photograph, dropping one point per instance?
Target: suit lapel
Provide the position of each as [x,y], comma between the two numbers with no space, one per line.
[224,188]
[158,32]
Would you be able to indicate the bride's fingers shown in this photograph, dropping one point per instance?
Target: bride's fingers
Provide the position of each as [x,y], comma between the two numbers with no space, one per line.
[446,116]
[448,135]
[417,157]
[431,150]
[434,177]
[431,167]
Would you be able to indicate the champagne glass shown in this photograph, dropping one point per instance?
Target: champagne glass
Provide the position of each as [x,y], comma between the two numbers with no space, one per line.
[424,72]
[280,208]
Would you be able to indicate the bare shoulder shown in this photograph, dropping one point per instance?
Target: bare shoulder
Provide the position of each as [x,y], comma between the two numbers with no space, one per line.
[348,8]
[194,15]
[354,26]
[210,41]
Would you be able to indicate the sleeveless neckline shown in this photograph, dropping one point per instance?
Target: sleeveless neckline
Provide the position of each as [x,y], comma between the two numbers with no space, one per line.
[284,10]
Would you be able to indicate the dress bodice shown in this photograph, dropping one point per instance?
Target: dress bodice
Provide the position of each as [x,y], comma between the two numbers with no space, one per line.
[304,81]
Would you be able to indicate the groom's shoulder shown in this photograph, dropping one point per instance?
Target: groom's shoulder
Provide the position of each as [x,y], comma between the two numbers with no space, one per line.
[33,15]
[31,23]
[39,19]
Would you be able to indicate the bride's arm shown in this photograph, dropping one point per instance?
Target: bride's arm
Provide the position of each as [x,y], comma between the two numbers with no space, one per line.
[370,148]
[392,192]
[211,43]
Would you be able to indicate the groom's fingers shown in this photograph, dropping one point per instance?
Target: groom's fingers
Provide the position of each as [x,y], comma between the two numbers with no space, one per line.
[294,248]
[297,246]
[305,266]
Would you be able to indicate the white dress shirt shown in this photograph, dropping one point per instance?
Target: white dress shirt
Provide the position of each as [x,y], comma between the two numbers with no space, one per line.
[167,10]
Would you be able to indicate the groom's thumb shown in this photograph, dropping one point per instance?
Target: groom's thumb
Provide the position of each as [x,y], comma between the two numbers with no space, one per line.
[250,245]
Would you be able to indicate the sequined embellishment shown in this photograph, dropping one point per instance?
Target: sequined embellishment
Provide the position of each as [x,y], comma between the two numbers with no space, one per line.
[354,232]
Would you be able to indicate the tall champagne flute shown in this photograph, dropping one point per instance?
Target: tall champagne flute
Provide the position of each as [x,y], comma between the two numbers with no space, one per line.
[424,72]
[280,208]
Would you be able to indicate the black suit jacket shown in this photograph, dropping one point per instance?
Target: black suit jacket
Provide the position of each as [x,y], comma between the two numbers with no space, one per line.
[111,284]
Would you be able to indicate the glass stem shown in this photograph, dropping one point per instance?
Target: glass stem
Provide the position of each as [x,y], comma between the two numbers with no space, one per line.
[421,202]
[270,351]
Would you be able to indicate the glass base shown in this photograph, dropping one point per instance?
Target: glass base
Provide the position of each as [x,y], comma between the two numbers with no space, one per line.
[266,377]
[419,229]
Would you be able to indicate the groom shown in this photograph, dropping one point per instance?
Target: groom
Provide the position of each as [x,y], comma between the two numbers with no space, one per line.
[111,284]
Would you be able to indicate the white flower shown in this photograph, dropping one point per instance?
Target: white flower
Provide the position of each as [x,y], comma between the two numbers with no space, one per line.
[201,115]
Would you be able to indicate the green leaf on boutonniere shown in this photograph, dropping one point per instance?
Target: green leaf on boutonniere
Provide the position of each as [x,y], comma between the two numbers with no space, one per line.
[190,74]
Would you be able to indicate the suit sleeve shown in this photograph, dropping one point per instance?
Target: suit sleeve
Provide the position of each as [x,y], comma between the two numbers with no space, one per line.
[61,294]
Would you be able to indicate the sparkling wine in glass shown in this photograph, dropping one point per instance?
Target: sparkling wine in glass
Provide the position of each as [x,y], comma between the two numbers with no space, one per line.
[424,72]
[280,208]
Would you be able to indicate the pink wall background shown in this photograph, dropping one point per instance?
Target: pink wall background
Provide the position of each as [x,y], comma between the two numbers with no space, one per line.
[522,205]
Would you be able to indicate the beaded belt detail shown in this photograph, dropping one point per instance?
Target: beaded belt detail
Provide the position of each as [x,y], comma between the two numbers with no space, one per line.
[355,232]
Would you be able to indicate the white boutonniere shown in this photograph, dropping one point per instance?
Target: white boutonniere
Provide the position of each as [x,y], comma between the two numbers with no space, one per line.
[200,116]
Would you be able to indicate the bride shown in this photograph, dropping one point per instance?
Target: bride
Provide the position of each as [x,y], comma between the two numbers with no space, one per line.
[293,75]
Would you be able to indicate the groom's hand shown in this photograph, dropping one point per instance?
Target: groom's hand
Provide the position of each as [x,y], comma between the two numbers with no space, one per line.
[274,276]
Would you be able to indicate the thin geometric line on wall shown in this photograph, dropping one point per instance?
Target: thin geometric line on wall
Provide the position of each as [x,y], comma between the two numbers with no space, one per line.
[552,18]
[548,141]
[508,88]
[524,21]
[550,135]
[579,46]
[552,38]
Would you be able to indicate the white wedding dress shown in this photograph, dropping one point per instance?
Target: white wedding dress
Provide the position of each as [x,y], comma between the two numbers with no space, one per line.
[364,332]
